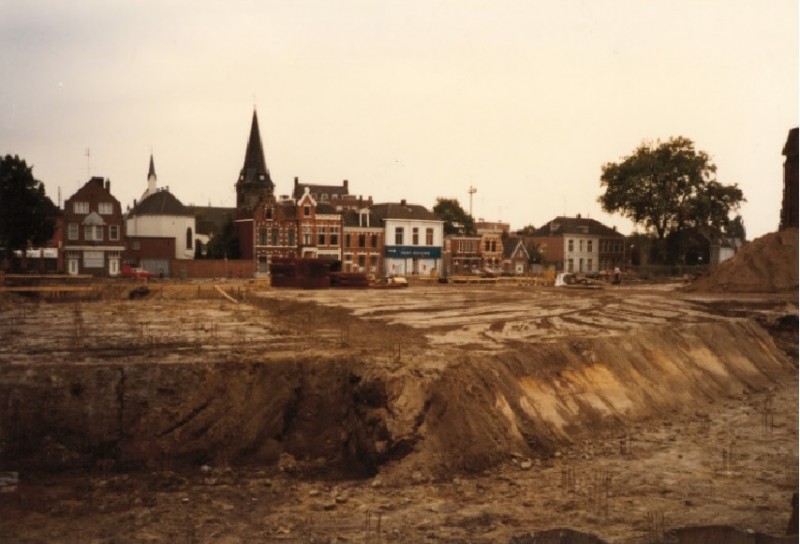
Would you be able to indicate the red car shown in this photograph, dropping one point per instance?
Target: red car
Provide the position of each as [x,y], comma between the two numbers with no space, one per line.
[138,273]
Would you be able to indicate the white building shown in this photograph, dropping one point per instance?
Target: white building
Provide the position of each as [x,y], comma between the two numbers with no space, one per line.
[413,238]
[161,215]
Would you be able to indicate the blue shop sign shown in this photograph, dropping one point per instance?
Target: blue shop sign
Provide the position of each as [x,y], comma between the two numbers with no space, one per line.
[413,252]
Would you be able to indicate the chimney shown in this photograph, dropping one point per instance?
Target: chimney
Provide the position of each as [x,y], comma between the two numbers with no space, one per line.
[403,202]
[344,184]
[108,185]
[578,216]
[296,181]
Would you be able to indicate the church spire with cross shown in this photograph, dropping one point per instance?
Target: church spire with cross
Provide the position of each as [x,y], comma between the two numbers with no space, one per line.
[254,180]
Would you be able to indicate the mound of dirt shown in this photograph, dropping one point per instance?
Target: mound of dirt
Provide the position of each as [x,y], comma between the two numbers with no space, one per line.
[766,265]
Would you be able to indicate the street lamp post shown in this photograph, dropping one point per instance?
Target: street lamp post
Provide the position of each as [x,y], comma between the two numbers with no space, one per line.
[472,190]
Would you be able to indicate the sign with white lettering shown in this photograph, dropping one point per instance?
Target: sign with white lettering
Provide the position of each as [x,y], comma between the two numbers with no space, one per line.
[413,252]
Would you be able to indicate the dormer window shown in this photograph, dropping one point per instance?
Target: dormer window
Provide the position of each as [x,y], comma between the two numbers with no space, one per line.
[268,212]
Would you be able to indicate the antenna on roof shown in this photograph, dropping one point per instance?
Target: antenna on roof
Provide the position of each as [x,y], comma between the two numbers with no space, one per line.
[89,162]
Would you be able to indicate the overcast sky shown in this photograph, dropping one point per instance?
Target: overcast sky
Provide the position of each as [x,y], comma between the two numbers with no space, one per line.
[523,99]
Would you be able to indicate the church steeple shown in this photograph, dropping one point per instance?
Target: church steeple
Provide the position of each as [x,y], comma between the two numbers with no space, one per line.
[151,174]
[152,180]
[254,181]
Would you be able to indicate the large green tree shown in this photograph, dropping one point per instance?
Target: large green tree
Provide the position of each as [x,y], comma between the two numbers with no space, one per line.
[27,215]
[667,187]
[225,245]
[456,220]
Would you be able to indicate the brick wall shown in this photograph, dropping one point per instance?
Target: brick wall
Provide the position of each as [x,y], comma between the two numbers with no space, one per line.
[206,268]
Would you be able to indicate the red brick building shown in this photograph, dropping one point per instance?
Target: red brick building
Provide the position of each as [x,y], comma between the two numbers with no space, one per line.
[363,242]
[94,231]
[462,255]
[578,244]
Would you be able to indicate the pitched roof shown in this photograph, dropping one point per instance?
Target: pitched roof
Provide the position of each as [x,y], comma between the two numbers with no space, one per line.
[324,208]
[575,225]
[402,210]
[160,203]
[333,191]
[254,170]
[510,245]
[350,218]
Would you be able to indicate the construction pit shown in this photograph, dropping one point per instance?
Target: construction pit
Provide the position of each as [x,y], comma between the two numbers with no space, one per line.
[234,412]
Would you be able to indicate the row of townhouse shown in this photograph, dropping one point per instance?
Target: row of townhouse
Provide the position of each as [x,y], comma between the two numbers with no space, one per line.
[316,221]
[327,222]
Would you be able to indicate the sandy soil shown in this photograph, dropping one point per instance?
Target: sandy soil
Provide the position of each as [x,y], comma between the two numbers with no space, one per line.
[710,459]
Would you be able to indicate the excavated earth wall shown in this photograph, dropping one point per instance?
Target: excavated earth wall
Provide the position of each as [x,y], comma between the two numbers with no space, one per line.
[348,415]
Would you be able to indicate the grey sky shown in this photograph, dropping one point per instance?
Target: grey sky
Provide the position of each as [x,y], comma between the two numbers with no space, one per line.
[411,99]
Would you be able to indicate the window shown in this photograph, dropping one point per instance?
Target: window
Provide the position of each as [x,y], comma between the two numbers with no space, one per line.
[93,233]
[373,263]
[589,246]
[334,236]
[73,231]
[570,265]
[374,240]
[570,247]
[80,207]
[307,211]
[398,236]
[321,236]
[348,240]
[429,237]
[105,208]
[588,265]
[415,236]
[291,237]
[268,212]
[113,232]
[189,238]
[93,259]
[362,261]
[306,235]
[362,240]
[262,236]
[274,236]
[136,245]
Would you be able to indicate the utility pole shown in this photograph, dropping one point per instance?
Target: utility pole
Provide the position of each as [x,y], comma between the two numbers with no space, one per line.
[472,190]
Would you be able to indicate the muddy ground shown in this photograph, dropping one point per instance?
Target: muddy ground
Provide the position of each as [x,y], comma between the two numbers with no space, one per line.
[438,413]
